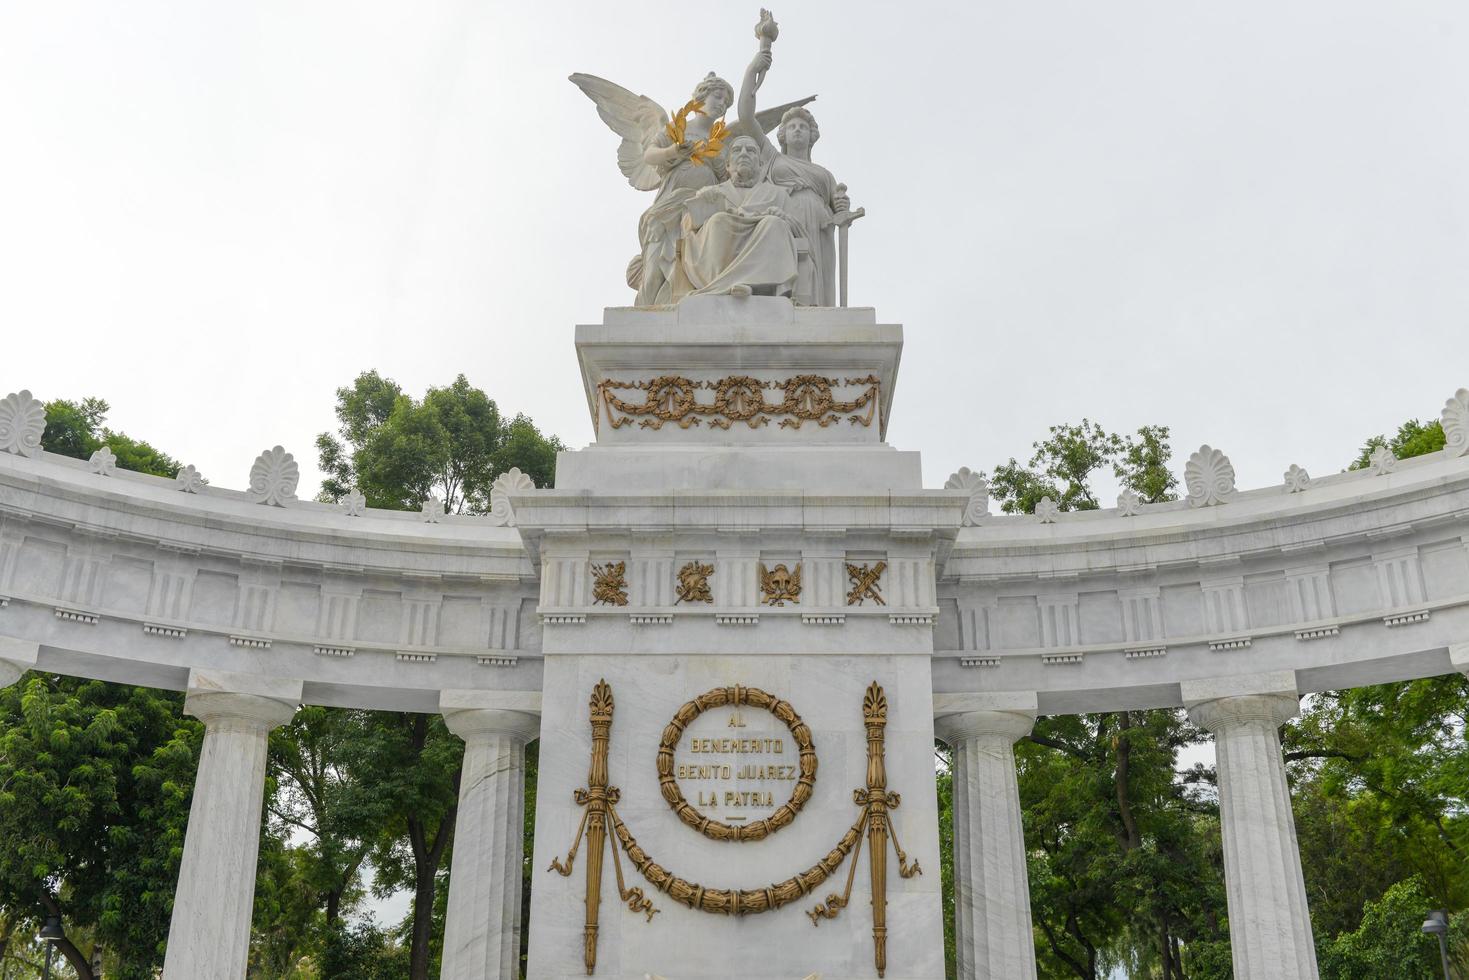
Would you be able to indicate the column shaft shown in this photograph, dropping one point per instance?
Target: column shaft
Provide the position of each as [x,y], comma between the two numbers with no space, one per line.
[483,921]
[991,888]
[1269,923]
[209,935]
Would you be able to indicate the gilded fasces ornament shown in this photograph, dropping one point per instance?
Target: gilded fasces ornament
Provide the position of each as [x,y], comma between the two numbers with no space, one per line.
[875,802]
[693,583]
[740,398]
[780,585]
[598,799]
[865,583]
[609,583]
[736,696]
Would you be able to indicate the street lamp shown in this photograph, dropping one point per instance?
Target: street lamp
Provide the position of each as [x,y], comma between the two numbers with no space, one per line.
[1437,924]
[51,934]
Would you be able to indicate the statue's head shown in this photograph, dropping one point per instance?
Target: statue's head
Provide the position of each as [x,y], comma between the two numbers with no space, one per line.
[716,94]
[744,160]
[797,130]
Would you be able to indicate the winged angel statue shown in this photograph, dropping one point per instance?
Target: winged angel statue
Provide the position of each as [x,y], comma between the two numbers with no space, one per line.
[677,157]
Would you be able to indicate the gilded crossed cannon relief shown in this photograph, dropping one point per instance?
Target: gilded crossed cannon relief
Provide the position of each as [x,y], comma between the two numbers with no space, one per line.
[599,802]
[739,398]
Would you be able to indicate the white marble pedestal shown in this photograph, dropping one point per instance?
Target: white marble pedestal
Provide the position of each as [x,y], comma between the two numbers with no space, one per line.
[744,437]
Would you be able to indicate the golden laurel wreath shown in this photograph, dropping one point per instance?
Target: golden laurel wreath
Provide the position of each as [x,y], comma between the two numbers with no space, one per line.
[704,149]
[755,698]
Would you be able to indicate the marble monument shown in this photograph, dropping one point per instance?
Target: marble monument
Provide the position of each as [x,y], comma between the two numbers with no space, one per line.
[737,622]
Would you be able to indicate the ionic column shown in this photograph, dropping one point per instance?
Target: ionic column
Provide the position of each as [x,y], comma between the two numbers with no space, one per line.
[482,924]
[991,889]
[209,935]
[1269,923]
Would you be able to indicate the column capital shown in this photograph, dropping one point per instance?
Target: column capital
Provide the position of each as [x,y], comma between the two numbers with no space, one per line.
[1221,703]
[1009,715]
[216,697]
[1459,657]
[1222,714]
[1009,725]
[514,714]
[16,657]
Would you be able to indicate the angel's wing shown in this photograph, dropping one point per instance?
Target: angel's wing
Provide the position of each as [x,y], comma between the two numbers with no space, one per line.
[636,118]
[770,118]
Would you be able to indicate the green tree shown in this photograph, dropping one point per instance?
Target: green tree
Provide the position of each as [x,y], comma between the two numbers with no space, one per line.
[76,429]
[1064,464]
[451,444]
[413,763]
[1388,943]
[94,795]
[1142,465]
[1413,438]
[1124,863]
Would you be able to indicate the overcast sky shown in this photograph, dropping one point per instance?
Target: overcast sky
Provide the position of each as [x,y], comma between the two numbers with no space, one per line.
[1246,220]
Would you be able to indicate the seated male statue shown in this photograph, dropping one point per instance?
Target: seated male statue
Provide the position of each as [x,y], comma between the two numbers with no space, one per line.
[739,237]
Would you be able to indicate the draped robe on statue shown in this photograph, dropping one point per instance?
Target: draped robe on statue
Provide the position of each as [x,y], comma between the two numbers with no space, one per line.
[813,192]
[731,240]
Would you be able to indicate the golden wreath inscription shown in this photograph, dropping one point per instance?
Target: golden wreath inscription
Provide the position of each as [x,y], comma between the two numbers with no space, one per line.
[803,770]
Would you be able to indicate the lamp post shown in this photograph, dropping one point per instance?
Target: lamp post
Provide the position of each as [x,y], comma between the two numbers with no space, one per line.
[1437,924]
[51,934]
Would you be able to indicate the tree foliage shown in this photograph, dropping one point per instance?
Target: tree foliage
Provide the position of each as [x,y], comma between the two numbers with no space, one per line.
[450,444]
[1124,860]
[1064,464]
[94,793]
[76,429]
[1413,438]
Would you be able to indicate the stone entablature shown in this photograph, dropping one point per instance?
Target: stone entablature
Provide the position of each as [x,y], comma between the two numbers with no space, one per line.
[1357,579]
[125,577]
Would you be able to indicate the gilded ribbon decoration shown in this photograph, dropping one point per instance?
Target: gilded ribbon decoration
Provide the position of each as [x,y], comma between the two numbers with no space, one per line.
[600,801]
[736,696]
[739,398]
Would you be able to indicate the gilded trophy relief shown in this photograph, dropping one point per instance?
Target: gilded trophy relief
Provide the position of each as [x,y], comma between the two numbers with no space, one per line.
[609,583]
[693,583]
[865,583]
[780,585]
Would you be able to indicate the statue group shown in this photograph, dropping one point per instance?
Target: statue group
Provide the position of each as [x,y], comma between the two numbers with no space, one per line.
[734,215]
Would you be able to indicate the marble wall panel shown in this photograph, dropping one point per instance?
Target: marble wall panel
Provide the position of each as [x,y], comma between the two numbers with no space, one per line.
[461,622]
[298,607]
[1354,585]
[780,945]
[126,585]
[1100,614]
[1183,609]
[1267,600]
[213,600]
[39,566]
[1445,569]
[1015,623]
[378,615]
